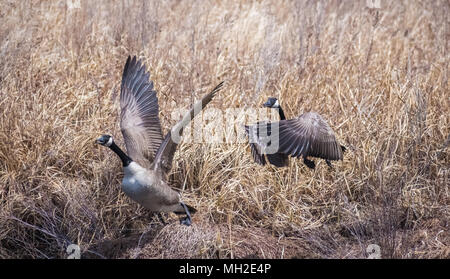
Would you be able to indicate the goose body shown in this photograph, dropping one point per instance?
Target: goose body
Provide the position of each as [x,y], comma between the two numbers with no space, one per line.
[150,155]
[146,187]
[308,135]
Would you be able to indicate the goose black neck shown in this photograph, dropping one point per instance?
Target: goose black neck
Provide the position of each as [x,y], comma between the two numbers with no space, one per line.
[123,157]
[281,112]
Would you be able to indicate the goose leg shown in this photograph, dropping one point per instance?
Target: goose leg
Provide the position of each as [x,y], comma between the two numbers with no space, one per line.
[187,221]
[329,164]
[310,164]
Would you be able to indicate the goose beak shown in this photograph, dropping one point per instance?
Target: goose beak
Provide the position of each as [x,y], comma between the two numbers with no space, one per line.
[266,104]
[98,141]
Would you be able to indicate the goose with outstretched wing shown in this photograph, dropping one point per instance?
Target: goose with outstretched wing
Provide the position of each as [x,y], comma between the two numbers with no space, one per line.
[307,135]
[149,155]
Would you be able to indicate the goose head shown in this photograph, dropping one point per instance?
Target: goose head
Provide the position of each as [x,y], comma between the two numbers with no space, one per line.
[105,140]
[272,103]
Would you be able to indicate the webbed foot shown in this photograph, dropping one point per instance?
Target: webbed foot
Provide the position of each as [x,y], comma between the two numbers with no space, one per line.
[187,221]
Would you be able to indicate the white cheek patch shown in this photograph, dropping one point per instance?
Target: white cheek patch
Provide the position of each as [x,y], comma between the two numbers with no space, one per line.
[110,141]
[276,105]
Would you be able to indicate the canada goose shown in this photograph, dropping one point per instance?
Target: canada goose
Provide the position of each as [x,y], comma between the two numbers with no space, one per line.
[149,158]
[307,135]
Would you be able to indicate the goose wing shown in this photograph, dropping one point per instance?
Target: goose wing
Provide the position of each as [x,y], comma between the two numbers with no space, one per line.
[309,135]
[278,159]
[139,121]
[256,145]
[164,155]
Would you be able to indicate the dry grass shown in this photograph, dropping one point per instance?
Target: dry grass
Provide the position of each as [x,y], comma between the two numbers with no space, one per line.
[379,75]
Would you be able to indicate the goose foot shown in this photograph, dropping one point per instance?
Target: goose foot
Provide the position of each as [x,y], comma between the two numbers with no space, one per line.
[187,221]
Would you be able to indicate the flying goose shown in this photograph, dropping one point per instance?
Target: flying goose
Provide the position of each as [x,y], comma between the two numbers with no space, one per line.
[149,158]
[308,135]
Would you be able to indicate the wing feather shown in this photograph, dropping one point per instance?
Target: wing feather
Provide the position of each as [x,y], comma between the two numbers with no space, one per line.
[313,133]
[255,146]
[165,153]
[139,121]
[258,144]
[307,135]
